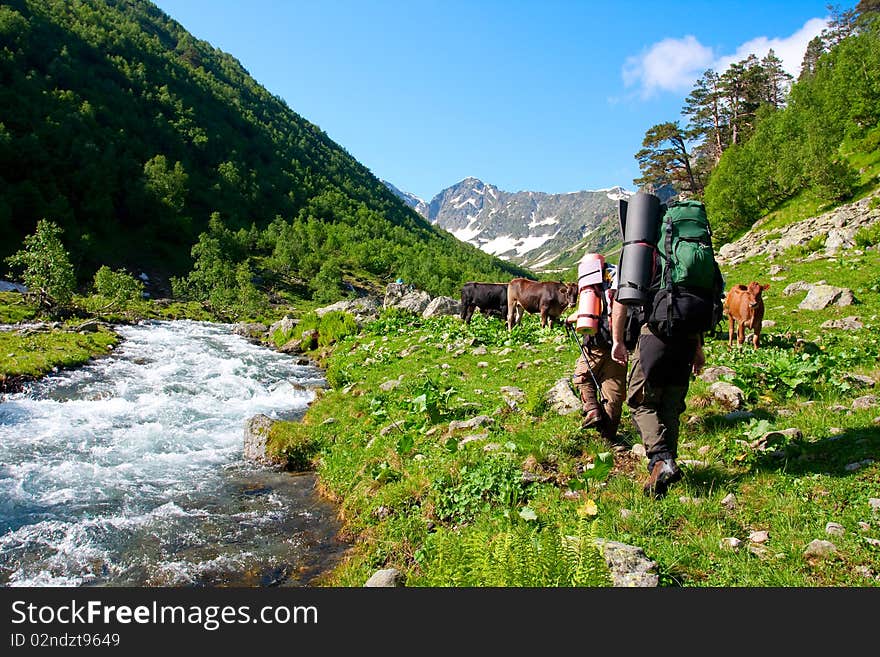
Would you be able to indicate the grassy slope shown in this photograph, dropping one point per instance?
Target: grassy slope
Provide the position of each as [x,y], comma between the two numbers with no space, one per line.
[391,486]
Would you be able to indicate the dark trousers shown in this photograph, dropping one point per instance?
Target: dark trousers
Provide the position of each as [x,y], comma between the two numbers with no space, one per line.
[656,410]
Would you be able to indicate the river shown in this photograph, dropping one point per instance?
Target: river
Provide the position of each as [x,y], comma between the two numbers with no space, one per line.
[128,471]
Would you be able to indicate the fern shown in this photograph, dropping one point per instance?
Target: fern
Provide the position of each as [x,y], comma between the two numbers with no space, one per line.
[517,556]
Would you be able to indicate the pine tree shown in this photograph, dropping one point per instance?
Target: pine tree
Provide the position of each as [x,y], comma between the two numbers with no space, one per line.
[665,160]
[814,50]
[707,119]
[777,78]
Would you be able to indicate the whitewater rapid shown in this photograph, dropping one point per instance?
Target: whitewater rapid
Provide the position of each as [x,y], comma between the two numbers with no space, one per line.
[129,470]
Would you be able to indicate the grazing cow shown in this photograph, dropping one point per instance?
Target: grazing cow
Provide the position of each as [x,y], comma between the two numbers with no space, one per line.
[745,304]
[489,298]
[548,298]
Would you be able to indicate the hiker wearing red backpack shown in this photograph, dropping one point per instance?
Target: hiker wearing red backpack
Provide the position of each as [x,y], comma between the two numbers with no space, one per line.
[680,304]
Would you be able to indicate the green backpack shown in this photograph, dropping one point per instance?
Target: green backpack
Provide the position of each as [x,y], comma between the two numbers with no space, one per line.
[685,246]
[691,289]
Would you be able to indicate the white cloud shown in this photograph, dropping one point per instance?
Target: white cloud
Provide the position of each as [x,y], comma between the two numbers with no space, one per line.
[669,65]
[675,64]
[790,49]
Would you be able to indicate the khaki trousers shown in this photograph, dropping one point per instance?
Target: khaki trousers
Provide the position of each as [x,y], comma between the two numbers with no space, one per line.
[611,377]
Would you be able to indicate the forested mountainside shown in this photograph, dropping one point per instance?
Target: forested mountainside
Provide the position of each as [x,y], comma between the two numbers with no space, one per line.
[141,141]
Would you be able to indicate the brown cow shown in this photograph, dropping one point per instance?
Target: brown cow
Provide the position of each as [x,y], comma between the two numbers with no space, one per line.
[745,304]
[546,297]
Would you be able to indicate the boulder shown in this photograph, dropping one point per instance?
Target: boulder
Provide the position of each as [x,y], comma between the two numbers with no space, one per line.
[387,577]
[727,394]
[442,306]
[562,399]
[286,325]
[822,296]
[256,435]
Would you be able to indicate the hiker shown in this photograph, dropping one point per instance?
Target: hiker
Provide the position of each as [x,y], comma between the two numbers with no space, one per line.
[596,372]
[677,312]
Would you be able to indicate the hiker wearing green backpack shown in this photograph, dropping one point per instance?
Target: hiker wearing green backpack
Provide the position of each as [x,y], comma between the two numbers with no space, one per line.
[683,302]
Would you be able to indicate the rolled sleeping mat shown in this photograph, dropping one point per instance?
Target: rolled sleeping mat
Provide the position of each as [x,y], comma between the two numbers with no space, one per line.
[589,311]
[591,270]
[637,257]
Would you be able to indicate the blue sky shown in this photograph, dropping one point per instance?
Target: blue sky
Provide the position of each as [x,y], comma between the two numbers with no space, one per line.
[550,96]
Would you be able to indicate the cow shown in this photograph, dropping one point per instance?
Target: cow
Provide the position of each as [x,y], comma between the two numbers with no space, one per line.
[548,298]
[745,304]
[489,298]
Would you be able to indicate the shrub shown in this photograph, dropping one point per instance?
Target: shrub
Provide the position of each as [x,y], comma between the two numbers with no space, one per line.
[45,264]
[117,287]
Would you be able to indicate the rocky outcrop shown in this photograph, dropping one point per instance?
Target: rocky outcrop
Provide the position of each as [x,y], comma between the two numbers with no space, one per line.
[840,225]
[363,309]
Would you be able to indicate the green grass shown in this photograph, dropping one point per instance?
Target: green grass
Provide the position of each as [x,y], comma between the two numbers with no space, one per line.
[14,308]
[38,353]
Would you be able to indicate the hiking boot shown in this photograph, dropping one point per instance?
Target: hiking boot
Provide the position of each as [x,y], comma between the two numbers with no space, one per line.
[662,475]
[593,418]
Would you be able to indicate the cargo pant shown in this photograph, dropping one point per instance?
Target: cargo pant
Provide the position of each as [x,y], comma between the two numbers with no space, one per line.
[656,411]
[611,376]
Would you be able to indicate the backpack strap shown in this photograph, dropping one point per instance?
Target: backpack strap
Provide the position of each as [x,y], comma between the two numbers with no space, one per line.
[668,250]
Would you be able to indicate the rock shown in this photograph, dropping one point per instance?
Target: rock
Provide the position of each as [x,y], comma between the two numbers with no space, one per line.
[858,465]
[285,325]
[473,423]
[562,399]
[834,529]
[479,351]
[739,416]
[845,324]
[775,438]
[415,301]
[363,309]
[482,363]
[874,503]
[639,450]
[821,296]
[472,438]
[291,347]
[728,394]
[820,549]
[760,536]
[715,373]
[625,513]
[256,434]
[865,402]
[729,501]
[387,577]
[309,339]
[512,395]
[629,565]
[442,306]
[250,330]
[88,327]
[860,380]
[730,543]
[794,288]
[389,385]
[394,426]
